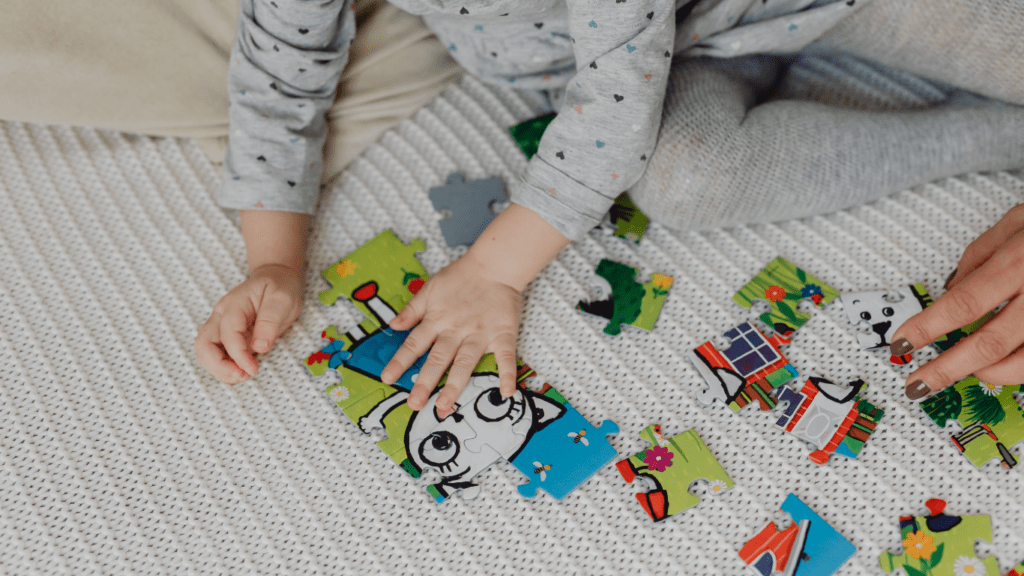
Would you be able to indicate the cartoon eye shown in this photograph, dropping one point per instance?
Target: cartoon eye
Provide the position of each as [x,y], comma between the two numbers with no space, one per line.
[865,315]
[888,311]
[492,407]
[439,448]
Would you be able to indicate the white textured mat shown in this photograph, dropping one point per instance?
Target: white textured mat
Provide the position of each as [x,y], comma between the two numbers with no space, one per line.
[118,454]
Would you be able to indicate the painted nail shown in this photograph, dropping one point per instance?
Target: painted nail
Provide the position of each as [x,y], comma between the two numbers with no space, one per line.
[917,390]
[950,278]
[901,347]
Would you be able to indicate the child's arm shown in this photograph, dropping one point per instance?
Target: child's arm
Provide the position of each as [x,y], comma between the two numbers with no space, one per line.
[472,307]
[282,78]
[991,271]
[265,305]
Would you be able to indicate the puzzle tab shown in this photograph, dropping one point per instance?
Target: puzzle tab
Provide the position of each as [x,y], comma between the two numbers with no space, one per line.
[672,465]
[808,547]
[469,206]
[833,418]
[782,285]
[884,312]
[630,302]
[990,420]
[940,544]
[747,371]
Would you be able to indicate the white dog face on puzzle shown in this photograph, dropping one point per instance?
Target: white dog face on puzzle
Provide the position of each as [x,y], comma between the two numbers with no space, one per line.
[884,314]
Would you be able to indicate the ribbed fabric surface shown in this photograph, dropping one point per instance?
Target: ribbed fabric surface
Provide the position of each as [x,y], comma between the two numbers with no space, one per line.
[118,454]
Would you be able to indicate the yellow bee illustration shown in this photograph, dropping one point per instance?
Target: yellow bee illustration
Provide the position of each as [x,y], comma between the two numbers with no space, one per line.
[542,469]
[578,437]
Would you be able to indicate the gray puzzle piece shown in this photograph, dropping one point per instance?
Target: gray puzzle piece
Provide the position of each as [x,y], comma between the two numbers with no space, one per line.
[469,205]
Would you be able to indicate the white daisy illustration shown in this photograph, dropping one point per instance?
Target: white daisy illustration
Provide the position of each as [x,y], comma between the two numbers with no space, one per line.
[716,487]
[968,566]
[991,389]
[339,394]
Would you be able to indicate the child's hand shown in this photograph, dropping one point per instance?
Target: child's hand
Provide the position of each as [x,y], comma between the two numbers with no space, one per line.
[472,307]
[464,313]
[264,306]
[991,271]
[252,316]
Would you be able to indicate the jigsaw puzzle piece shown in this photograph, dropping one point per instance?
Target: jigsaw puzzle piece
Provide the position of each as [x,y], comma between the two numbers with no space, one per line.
[629,222]
[469,204]
[747,371]
[884,314]
[808,547]
[528,134]
[782,285]
[1017,570]
[380,277]
[563,449]
[630,302]
[835,419]
[990,419]
[941,544]
[672,465]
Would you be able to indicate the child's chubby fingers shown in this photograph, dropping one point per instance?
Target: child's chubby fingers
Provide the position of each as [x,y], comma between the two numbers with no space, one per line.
[504,348]
[234,324]
[275,315]
[979,251]
[441,356]
[413,311]
[992,350]
[212,356]
[466,359]
[416,344]
[997,280]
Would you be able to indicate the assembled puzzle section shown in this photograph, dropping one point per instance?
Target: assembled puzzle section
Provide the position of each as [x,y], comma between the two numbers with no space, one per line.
[538,432]
[384,261]
[747,371]
[469,205]
[782,285]
[941,544]
[672,465]
[990,420]
[884,312]
[808,547]
[833,418]
[630,302]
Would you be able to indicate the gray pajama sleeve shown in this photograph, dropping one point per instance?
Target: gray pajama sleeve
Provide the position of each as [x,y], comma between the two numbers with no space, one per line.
[282,78]
[600,142]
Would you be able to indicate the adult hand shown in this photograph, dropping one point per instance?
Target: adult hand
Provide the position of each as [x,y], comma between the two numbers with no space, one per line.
[991,271]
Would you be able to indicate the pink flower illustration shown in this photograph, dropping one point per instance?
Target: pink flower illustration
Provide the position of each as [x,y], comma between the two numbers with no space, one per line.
[658,458]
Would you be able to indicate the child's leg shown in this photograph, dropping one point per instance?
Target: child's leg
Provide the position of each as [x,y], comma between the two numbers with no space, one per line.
[724,159]
[976,45]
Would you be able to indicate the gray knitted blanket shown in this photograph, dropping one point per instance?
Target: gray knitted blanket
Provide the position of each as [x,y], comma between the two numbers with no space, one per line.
[118,454]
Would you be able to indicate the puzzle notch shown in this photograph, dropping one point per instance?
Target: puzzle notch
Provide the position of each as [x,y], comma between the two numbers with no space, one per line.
[672,465]
[747,371]
[940,544]
[469,205]
[782,285]
[835,419]
[990,419]
[630,302]
[808,547]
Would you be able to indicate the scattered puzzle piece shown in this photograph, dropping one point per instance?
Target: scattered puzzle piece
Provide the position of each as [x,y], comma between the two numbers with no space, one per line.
[630,302]
[1017,570]
[783,285]
[469,205]
[835,419]
[747,371]
[941,545]
[629,222]
[389,263]
[672,465]
[884,315]
[990,419]
[808,547]
[528,134]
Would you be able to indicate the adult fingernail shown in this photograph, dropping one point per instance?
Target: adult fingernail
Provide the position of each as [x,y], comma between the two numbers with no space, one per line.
[901,347]
[917,390]
[950,278]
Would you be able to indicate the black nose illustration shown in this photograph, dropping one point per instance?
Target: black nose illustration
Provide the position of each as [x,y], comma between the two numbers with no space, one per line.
[881,329]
